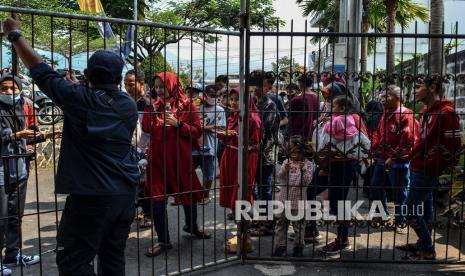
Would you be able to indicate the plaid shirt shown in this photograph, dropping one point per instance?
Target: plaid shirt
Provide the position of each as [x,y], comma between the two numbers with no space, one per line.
[294,182]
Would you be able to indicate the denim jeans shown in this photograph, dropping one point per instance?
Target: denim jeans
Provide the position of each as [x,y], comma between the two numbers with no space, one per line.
[421,218]
[398,180]
[263,181]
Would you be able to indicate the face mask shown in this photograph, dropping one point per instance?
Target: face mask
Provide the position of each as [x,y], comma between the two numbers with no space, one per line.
[222,90]
[210,101]
[10,99]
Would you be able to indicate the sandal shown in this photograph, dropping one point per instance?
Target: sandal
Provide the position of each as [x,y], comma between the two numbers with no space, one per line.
[421,255]
[205,201]
[231,245]
[146,223]
[409,247]
[201,234]
[140,216]
[230,216]
[261,231]
[157,249]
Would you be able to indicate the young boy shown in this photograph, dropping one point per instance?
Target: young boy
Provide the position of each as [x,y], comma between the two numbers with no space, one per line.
[13,170]
[435,151]
[213,116]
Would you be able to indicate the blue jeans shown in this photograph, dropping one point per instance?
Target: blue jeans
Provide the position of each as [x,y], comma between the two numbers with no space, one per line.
[421,218]
[263,181]
[399,182]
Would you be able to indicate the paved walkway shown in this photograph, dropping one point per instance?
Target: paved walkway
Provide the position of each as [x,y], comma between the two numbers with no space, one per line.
[368,244]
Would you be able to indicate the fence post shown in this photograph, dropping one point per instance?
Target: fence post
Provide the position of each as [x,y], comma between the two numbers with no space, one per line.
[244,69]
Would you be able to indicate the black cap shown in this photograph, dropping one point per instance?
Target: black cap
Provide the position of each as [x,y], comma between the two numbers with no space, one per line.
[108,61]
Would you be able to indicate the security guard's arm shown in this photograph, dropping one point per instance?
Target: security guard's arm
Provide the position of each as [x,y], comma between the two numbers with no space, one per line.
[26,53]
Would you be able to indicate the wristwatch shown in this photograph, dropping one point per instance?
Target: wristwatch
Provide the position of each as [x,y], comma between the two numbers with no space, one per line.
[13,36]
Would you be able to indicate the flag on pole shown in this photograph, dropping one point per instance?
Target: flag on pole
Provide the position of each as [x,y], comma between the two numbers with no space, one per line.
[126,46]
[93,6]
[104,28]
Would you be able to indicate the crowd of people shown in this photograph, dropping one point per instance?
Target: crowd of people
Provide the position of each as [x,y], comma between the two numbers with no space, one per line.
[298,147]
[299,144]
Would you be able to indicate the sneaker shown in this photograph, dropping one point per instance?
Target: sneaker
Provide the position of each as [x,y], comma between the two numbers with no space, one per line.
[335,247]
[5,271]
[22,260]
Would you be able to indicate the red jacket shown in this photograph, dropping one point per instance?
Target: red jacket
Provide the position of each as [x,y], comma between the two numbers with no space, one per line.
[438,146]
[396,135]
[31,120]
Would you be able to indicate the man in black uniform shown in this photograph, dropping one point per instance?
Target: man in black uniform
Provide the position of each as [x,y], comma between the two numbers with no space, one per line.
[97,167]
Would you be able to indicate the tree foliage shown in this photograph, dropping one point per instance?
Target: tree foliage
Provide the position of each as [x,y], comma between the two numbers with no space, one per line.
[284,65]
[53,34]
[325,14]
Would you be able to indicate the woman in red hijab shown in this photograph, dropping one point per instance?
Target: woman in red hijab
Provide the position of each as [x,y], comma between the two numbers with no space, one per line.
[174,125]
[229,162]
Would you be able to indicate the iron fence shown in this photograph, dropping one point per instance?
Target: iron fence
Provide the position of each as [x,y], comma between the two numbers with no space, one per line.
[62,36]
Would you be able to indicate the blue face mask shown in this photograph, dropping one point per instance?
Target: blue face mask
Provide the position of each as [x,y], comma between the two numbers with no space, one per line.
[10,99]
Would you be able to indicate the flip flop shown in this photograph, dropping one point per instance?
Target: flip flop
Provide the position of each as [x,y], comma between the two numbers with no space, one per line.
[157,249]
[201,234]
[146,223]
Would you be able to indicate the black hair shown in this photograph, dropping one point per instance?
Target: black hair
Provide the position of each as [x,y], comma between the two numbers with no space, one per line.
[306,80]
[437,81]
[222,78]
[292,86]
[343,101]
[140,76]
[258,76]
[211,87]
[373,113]
[302,144]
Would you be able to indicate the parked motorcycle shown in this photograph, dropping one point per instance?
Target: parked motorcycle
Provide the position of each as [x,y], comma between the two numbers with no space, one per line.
[47,112]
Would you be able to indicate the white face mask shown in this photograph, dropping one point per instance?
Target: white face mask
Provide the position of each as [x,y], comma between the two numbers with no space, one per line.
[222,90]
[210,101]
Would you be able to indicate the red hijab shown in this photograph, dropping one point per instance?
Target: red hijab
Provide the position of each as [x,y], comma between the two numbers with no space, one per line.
[254,118]
[176,96]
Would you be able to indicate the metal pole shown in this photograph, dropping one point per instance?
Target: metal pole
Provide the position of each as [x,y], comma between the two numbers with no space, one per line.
[354,44]
[342,18]
[135,9]
[244,69]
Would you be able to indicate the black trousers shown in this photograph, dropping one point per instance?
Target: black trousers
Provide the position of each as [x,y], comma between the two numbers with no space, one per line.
[160,218]
[90,226]
[12,200]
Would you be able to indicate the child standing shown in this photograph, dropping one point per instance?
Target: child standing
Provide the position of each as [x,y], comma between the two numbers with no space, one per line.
[295,175]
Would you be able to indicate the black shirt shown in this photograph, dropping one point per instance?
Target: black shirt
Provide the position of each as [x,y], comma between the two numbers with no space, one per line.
[95,150]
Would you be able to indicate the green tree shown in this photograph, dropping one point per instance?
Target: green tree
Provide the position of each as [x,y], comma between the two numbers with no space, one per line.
[381,16]
[219,14]
[54,34]
[286,65]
